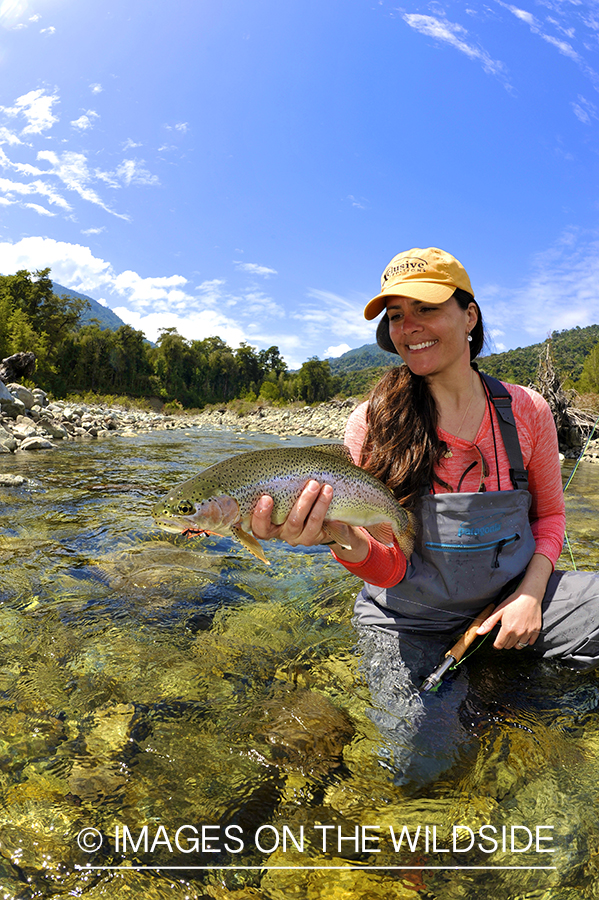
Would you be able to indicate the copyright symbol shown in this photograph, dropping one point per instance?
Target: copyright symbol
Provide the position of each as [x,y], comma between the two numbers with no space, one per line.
[89,840]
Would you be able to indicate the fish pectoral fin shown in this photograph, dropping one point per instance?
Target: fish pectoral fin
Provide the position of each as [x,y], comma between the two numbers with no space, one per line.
[249,542]
[385,532]
[337,531]
[381,532]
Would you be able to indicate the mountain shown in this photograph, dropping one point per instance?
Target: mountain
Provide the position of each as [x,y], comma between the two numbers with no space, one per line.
[105,316]
[364,357]
[569,349]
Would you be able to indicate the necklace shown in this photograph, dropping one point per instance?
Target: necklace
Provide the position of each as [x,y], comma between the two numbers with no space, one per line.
[448,454]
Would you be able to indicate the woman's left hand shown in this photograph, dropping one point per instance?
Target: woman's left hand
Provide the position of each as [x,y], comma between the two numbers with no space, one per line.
[521,613]
[521,620]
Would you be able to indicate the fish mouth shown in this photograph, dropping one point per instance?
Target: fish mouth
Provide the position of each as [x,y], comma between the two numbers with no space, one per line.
[176,525]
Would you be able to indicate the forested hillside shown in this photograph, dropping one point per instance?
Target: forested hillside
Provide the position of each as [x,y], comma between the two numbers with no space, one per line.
[77,353]
[570,349]
[76,357]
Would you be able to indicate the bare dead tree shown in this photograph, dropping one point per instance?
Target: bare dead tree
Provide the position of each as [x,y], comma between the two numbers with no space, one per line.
[572,422]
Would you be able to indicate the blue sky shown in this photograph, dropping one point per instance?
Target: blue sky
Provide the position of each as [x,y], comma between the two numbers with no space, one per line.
[247,168]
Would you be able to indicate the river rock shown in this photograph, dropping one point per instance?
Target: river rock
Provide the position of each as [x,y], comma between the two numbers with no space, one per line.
[23,394]
[8,444]
[36,443]
[11,480]
[307,731]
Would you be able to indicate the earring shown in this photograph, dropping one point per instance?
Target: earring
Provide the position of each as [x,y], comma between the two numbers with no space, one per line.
[469,337]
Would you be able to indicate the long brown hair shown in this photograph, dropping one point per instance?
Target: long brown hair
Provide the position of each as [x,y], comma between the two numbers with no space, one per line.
[402,446]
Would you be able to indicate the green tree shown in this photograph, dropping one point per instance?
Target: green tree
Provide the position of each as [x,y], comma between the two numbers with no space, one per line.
[588,382]
[314,381]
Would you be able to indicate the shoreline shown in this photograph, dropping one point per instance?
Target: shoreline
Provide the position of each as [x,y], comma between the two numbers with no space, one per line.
[29,421]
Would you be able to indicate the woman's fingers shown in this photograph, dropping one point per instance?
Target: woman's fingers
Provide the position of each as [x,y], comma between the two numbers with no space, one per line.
[305,520]
[304,523]
[262,526]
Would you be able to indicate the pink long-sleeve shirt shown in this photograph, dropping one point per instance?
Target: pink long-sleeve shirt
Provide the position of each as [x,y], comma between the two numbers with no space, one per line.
[386,566]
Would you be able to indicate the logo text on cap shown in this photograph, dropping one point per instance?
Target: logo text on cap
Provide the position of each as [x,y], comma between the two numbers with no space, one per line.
[409,266]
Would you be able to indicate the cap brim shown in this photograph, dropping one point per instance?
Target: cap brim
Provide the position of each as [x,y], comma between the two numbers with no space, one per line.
[426,291]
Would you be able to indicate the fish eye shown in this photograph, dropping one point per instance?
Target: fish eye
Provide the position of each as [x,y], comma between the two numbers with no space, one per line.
[185,507]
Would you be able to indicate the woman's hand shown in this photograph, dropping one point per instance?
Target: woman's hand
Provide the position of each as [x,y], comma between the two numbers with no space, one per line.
[305,524]
[521,614]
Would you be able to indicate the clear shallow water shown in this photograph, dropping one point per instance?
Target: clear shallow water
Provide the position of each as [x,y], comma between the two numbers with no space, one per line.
[152,685]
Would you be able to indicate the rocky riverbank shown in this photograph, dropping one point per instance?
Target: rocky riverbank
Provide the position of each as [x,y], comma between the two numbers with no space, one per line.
[326,420]
[29,421]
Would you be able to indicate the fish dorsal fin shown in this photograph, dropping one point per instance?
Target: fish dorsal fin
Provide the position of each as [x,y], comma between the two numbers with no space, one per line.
[340,451]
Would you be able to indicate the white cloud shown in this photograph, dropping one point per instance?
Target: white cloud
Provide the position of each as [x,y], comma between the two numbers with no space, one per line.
[584,110]
[132,171]
[196,310]
[564,47]
[456,36]
[36,108]
[94,231]
[334,315]
[560,292]
[8,137]
[130,145]
[10,188]
[141,292]
[41,210]
[50,30]
[85,121]
[72,264]
[193,326]
[96,88]
[72,169]
[254,268]
[334,352]
[357,203]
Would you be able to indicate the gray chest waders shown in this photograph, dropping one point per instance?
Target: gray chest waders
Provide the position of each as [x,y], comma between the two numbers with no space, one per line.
[471,547]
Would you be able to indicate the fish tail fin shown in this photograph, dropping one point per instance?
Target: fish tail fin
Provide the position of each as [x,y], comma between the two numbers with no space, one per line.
[249,542]
[406,538]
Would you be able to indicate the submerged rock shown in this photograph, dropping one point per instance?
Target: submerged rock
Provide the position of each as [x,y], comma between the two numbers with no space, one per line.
[307,731]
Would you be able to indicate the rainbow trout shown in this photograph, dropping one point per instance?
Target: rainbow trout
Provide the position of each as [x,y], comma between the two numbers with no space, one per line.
[221,499]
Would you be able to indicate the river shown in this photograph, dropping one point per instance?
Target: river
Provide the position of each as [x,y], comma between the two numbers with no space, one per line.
[179,720]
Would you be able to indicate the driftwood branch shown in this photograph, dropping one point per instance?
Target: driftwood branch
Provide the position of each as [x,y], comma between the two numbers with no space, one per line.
[572,422]
[18,366]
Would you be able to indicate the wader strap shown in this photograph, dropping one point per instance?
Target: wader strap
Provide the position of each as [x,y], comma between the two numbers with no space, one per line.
[502,402]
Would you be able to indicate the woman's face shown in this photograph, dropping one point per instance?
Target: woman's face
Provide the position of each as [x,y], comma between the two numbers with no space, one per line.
[431,338]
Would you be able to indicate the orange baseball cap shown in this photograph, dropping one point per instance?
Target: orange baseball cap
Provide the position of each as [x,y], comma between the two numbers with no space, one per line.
[430,275]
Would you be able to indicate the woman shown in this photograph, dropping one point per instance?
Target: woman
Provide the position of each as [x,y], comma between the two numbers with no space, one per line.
[477,464]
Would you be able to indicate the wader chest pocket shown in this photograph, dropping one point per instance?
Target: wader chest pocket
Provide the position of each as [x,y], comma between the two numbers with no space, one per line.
[493,548]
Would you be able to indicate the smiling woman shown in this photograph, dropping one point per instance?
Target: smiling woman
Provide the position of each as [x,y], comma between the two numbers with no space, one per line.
[477,463]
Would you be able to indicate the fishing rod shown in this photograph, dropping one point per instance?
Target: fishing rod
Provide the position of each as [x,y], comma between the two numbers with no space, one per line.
[453,656]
